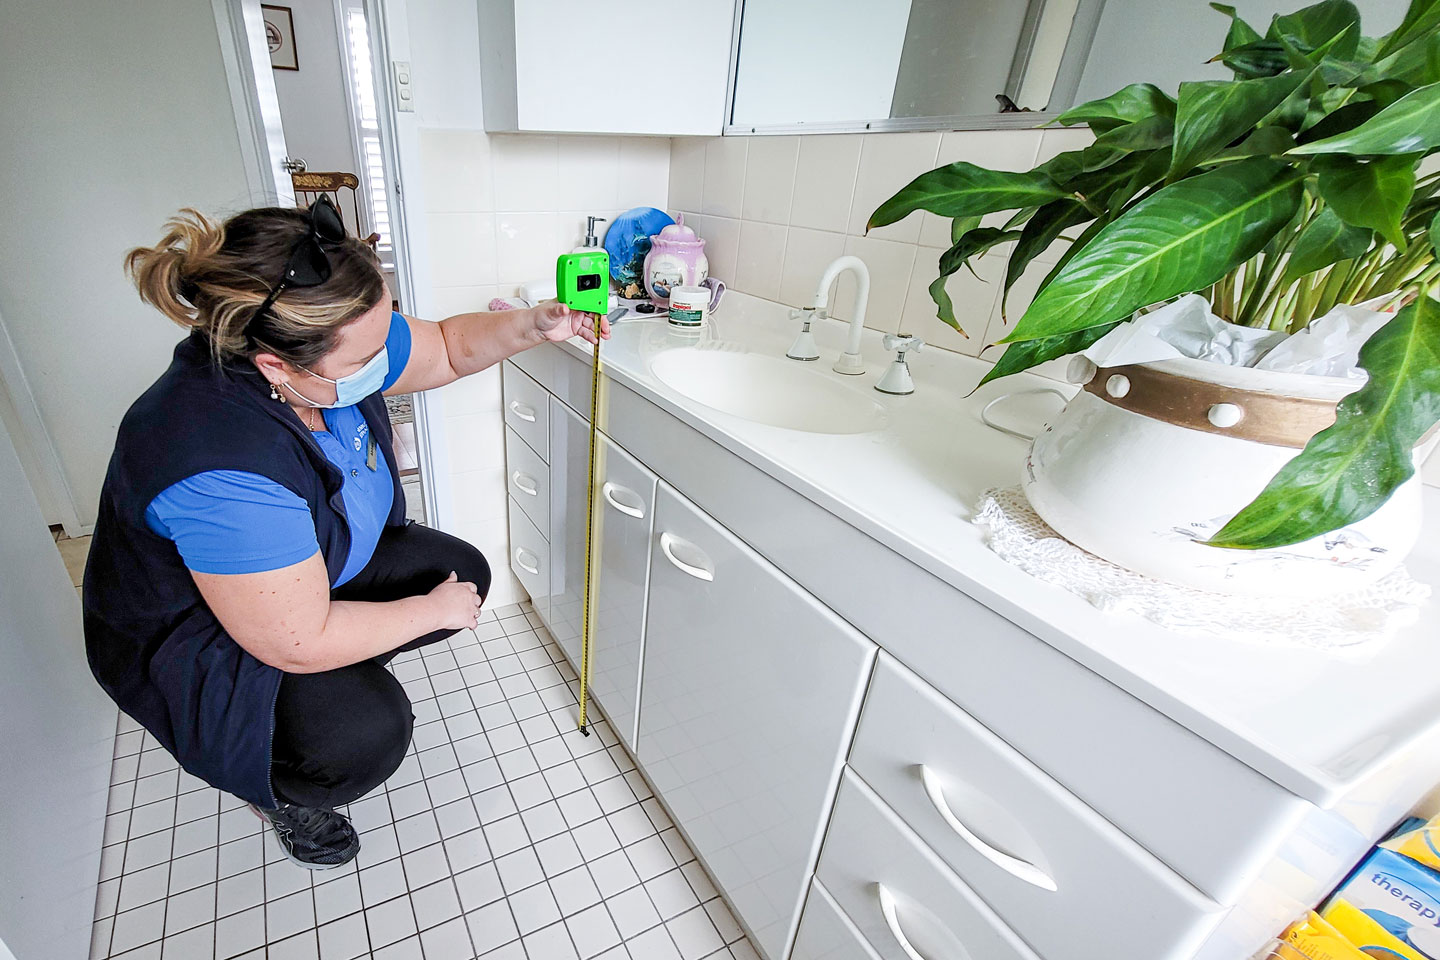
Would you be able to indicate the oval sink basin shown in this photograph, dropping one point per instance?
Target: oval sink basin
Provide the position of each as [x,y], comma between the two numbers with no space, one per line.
[770,390]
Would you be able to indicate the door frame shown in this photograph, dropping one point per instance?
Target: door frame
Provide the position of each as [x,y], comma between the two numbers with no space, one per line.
[252,92]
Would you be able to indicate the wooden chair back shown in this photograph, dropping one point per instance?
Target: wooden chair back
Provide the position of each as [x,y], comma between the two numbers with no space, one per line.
[310,184]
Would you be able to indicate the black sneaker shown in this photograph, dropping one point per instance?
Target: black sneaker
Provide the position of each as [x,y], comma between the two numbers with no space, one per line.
[312,837]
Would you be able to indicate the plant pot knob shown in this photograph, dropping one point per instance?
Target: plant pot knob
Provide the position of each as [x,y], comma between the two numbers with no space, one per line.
[1081,370]
[1118,385]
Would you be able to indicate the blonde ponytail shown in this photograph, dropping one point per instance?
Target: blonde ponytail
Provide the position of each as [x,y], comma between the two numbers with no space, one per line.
[161,273]
[212,277]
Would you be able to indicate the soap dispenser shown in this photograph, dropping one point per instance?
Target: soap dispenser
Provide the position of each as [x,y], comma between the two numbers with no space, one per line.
[592,242]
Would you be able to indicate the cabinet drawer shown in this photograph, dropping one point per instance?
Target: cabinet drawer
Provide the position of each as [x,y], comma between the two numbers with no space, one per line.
[529,557]
[527,409]
[1062,876]
[826,933]
[528,479]
[897,892]
[750,695]
[625,511]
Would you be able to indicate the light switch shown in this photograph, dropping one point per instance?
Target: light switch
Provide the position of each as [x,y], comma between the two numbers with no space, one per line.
[404,98]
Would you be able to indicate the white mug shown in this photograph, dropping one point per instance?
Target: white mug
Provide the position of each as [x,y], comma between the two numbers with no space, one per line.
[691,306]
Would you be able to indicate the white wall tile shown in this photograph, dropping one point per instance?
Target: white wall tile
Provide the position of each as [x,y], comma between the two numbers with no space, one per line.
[996,149]
[475,499]
[477,393]
[526,172]
[724,176]
[644,177]
[587,172]
[887,163]
[1004,316]
[807,254]
[687,173]
[527,245]
[449,301]
[476,442]
[722,243]
[1057,140]
[973,297]
[760,258]
[456,170]
[825,171]
[770,178]
[890,264]
[462,248]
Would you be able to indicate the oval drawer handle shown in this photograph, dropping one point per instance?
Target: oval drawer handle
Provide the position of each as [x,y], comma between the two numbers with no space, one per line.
[525,483]
[610,489]
[667,546]
[887,907]
[1014,866]
[532,566]
[522,410]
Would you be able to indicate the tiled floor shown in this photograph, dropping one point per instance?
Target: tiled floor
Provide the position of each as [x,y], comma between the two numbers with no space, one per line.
[504,834]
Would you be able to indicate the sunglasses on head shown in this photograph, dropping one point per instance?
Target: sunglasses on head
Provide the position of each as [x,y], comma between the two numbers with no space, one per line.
[309,264]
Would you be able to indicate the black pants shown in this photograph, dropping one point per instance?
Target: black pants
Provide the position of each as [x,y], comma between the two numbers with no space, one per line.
[341,733]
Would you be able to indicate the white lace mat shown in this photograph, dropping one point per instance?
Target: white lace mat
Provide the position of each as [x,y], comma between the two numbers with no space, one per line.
[1354,622]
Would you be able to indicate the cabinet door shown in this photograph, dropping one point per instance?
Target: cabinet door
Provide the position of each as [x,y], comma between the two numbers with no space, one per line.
[569,473]
[530,558]
[624,515]
[750,696]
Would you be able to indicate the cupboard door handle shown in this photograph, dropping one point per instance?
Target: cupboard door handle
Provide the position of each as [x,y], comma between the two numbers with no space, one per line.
[667,546]
[887,907]
[1014,866]
[522,410]
[525,483]
[610,489]
[531,567]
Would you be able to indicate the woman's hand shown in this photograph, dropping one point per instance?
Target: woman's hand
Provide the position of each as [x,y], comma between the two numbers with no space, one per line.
[456,604]
[555,321]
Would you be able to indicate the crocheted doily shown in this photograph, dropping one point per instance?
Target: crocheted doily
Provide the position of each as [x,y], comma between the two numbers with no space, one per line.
[1351,622]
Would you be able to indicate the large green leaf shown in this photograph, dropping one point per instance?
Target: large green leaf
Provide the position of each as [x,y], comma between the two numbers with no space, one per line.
[1023,356]
[1409,125]
[970,244]
[1347,471]
[1370,194]
[1339,120]
[1240,32]
[1421,19]
[963,189]
[1213,113]
[1264,142]
[1311,28]
[1127,105]
[1040,232]
[1260,58]
[1326,240]
[1181,239]
[1435,234]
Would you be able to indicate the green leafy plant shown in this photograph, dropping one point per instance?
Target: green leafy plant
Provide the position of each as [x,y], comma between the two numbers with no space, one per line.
[1278,194]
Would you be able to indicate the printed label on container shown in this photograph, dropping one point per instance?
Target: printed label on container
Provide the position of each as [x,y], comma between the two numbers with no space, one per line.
[686,318]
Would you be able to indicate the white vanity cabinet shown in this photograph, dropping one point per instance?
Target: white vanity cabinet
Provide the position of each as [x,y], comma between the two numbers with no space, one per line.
[750,695]
[527,45]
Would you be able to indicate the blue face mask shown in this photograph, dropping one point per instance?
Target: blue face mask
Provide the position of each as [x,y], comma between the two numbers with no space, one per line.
[354,387]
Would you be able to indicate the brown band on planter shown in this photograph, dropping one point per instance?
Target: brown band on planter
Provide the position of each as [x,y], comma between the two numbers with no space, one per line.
[1265,417]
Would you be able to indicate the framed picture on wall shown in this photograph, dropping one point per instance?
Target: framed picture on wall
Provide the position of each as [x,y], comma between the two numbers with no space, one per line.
[280,35]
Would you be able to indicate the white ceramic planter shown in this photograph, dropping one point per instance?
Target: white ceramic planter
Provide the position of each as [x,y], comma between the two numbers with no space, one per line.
[1143,493]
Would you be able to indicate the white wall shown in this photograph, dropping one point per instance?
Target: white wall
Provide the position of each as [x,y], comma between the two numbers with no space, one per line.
[1166,42]
[312,99]
[114,115]
[493,212]
[59,731]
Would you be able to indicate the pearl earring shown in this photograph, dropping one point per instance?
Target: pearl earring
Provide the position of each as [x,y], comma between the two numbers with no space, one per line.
[275,393]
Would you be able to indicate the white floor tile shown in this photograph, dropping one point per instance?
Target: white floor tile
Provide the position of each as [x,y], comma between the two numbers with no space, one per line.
[504,834]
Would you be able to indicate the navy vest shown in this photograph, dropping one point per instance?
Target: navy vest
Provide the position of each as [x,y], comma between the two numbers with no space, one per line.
[152,642]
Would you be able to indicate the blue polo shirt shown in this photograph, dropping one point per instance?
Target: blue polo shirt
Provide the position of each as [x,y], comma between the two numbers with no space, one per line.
[233,521]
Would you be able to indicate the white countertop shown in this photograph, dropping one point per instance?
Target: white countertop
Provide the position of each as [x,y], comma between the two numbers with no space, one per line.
[1314,722]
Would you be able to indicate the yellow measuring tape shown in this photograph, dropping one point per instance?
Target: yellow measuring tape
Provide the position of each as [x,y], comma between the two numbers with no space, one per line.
[587,610]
